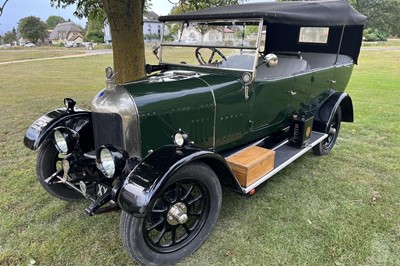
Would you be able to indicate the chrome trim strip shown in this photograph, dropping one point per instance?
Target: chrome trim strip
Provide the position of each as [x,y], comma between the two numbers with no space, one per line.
[161,41]
[256,57]
[210,46]
[215,116]
[137,131]
[90,155]
[279,168]
[280,145]
[215,112]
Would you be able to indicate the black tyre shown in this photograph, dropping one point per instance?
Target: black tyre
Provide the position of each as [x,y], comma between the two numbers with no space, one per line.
[48,162]
[158,239]
[325,147]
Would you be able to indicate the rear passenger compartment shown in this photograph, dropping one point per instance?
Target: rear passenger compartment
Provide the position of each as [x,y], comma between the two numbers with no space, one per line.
[289,65]
[324,60]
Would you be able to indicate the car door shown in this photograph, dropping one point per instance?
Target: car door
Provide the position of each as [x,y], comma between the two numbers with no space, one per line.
[321,83]
[270,102]
[231,121]
[300,95]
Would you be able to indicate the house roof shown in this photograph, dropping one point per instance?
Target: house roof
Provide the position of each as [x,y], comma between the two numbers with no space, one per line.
[64,28]
[150,16]
[307,13]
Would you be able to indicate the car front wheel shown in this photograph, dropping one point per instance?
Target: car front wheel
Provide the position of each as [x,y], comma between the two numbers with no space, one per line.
[180,218]
[48,162]
[325,146]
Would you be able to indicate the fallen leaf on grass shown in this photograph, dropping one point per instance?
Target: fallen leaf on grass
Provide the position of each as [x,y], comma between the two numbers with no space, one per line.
[32,262]
[375,197]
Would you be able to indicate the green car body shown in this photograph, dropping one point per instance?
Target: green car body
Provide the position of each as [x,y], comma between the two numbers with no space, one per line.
[212,109]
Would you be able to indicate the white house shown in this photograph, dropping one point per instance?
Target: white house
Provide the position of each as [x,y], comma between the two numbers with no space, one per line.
[151,28]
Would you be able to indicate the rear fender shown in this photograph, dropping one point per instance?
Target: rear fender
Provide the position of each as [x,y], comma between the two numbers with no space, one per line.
[80,121]
[326,112]
[146,181]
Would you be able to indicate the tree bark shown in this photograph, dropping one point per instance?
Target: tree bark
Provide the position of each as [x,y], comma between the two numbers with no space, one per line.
[126,24]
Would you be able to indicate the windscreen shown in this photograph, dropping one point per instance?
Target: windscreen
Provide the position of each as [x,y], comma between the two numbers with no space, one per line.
[218,33]
[222,44]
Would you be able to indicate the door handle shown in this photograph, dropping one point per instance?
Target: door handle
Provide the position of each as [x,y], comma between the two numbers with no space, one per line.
[292,92]
[331,81]
[246,92]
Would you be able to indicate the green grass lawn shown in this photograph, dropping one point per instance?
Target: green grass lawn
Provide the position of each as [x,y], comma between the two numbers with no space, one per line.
[389,42]
[341,209]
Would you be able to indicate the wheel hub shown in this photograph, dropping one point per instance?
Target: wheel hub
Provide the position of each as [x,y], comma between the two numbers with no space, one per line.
[177,214]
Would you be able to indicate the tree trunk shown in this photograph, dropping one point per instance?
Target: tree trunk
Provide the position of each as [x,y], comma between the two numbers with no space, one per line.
[126,24]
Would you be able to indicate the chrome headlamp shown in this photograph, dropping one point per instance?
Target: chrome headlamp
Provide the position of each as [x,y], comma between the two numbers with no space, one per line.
[110,160]
[65,139]
[180,138]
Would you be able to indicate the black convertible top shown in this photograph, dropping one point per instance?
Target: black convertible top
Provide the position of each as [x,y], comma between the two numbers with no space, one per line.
[309,13]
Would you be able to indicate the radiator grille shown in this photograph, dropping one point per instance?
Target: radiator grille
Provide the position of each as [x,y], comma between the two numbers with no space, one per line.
[107,129]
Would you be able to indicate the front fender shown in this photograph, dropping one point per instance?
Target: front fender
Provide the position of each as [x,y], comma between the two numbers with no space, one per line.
[41,128]
[146,181]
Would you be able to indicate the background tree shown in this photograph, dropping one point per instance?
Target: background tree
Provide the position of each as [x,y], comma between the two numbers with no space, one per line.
[94,30]
[383,15]
[53,21]
[183,6]
[2,7]
[125,18]
[126,23]
[32,28]
[9,37]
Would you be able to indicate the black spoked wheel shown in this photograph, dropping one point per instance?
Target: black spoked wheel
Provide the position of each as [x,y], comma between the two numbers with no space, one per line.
[180,219]
[48,162]
[177,216]
[327,144]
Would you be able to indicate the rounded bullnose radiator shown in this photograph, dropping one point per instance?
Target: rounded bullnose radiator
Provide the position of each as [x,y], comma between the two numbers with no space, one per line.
[107,129]
[116,121]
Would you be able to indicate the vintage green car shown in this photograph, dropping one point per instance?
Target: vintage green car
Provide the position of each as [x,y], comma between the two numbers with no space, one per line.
[239,93]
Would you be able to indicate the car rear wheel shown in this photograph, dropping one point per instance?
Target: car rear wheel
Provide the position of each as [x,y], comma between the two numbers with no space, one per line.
[48,162]
[179,220]
[325,146]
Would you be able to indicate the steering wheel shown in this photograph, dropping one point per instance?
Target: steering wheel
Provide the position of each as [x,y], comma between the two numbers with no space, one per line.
[201,60]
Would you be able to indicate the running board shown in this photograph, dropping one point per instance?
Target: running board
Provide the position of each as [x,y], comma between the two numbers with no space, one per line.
[285,155]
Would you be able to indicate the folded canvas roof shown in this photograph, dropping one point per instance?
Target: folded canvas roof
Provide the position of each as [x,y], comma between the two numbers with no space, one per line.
[306,13]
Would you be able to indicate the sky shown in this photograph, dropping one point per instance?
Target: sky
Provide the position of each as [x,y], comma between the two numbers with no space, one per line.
[17,9]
